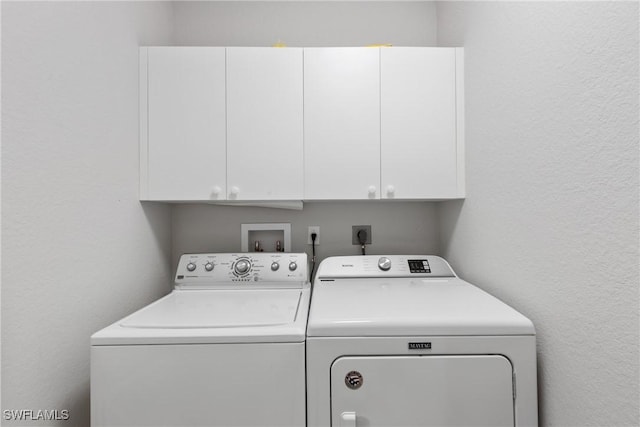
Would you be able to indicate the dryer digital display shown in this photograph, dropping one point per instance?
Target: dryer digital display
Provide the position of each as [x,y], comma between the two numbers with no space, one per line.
[419,266]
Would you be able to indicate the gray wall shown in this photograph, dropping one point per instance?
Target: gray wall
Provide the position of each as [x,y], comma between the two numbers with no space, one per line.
[304,23]
[78,249]
[396,227]
[550,222]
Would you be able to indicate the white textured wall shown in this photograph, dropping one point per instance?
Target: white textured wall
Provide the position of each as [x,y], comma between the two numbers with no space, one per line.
[550,222]
[78,249]
[396,227]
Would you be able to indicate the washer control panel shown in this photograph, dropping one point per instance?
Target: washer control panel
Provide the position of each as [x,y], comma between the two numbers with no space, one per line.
[287,269]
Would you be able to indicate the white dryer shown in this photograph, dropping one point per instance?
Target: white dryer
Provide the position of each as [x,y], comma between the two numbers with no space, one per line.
[225,348]
[401,341]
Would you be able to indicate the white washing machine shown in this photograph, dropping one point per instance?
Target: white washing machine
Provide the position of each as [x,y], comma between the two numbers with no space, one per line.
[225,348]
[401,341]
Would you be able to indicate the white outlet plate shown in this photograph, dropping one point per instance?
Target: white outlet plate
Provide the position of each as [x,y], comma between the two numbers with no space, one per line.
[313,229]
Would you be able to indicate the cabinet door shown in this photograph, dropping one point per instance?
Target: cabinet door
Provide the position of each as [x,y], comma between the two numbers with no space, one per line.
[418,129]
[185,145]
[264,127]
[404,391]
[342,123]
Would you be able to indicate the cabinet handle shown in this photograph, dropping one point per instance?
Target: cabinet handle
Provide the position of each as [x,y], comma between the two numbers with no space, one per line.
[348,419]
[390,190]
[216,191]
[372,190]
[234,191]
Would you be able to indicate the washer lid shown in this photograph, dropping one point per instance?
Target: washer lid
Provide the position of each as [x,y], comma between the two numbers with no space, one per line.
[218,309]
[410,307]
[214,316]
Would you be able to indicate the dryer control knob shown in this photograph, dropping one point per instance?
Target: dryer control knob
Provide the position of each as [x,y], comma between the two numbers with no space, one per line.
[242,266]
[208,266]
[293,265]
[384,263]
[191,266]
[275,266]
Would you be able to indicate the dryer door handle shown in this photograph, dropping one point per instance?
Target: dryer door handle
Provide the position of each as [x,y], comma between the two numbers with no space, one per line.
[348,419]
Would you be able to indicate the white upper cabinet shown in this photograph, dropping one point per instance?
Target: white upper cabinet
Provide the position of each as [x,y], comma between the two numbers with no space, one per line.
[341,123]
[286,124]
[264,124]
[420,114]
[183,126]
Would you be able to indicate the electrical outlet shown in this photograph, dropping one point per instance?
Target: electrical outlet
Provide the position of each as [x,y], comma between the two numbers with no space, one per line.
[354,234]
[313,229]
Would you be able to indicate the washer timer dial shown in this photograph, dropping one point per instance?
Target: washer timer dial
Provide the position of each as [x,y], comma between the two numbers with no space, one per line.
[242,266]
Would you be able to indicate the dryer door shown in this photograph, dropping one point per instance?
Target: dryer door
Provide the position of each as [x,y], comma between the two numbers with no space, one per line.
[422,391]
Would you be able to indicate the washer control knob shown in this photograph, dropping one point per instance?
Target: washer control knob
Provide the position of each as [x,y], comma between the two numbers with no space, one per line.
[293,265]
[191,266]
[208,266]
[242,266]
[275,266]
[384,263]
